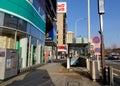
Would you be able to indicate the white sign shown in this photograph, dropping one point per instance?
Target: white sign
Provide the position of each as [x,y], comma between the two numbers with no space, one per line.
[101,6]
[61,7]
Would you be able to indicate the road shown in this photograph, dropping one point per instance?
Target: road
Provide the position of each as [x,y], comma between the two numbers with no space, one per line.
[116,70]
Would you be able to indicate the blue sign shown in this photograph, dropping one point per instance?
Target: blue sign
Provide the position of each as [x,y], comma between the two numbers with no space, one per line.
[96,39]
[97,50]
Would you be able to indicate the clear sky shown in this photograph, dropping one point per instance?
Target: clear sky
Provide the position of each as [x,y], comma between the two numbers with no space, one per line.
[78,9]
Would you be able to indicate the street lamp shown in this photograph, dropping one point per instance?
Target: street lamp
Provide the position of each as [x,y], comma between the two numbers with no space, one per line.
[100,12]
[76,24]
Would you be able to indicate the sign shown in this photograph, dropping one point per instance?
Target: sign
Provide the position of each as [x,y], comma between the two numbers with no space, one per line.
[96,39]
[61,7]
[61,47]
[97,50]
[101,6]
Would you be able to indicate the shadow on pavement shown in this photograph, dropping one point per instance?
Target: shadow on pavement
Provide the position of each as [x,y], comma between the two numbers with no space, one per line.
[83,73]
[34,78]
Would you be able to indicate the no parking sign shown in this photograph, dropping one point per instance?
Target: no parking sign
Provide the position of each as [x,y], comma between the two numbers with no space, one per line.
[97,50]
[96,39]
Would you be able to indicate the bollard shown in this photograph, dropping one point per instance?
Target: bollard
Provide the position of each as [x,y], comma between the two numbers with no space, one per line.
[68,63]
[110,76]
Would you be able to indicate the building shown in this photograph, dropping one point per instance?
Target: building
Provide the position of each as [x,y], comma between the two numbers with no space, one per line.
[51,29]
[61,29]
[23,27]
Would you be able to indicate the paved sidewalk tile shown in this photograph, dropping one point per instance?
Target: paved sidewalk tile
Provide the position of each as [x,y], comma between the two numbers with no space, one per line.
[52,74]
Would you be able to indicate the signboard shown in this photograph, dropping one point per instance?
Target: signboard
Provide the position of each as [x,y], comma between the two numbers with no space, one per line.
[62,48]
[96,39]
[61,7]
[97,50]
[101,6]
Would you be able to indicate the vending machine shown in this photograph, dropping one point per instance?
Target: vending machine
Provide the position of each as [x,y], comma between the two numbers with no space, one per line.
[8,63]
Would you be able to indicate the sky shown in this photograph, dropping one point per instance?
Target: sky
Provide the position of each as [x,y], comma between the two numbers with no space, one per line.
[77,9]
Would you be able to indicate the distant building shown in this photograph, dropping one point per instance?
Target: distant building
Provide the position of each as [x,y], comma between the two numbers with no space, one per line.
[70,37]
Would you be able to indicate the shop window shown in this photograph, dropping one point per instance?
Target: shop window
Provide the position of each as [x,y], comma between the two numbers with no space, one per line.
[1,18]
[22,25]
[7,38]
[10,21]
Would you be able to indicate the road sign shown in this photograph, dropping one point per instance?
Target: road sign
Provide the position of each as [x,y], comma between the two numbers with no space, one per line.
[96,39]
[97,50]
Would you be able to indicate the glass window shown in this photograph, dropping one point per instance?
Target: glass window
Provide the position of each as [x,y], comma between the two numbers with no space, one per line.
[34,41]
[1,18]
[7,38]
[10,21]
[38,7]
[22,25]
[35,32]
[28,28]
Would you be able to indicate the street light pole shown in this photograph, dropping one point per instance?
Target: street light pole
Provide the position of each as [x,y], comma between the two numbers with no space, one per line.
[76,25]
[88,21]
[102,11]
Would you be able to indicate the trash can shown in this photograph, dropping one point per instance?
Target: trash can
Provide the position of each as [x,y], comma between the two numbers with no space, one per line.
[95,70]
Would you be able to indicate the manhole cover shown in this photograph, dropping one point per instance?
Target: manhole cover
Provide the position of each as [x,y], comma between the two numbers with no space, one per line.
[73,83]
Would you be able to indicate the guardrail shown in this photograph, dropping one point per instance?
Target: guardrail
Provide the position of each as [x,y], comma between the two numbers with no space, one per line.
[110,75]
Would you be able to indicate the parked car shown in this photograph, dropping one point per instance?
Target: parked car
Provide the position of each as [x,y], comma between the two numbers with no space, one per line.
[113,57]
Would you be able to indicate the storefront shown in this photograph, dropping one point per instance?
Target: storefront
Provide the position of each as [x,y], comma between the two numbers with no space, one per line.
[23,29]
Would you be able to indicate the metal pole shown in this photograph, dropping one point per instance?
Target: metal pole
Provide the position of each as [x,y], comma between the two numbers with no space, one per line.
[88,21]
[88,63]
[102,47]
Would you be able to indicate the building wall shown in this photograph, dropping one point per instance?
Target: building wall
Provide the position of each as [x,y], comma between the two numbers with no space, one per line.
[22,27]
[60,28]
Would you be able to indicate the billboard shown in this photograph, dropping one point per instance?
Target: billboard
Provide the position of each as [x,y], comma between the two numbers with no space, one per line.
[61,7]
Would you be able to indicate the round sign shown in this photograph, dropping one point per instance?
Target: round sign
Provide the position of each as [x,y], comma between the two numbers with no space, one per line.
[96,39]
[97,50]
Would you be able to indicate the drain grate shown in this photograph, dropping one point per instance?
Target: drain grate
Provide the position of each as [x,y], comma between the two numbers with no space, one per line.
[73,83]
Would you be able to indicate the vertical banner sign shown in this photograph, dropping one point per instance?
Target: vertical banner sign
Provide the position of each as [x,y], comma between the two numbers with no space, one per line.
[101,6]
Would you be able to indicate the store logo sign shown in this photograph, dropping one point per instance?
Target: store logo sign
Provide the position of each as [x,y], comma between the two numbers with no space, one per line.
[61,7]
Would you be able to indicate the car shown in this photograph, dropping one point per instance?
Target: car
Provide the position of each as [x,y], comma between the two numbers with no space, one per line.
[113,57]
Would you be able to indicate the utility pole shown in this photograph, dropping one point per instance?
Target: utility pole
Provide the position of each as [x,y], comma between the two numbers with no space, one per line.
[100,12]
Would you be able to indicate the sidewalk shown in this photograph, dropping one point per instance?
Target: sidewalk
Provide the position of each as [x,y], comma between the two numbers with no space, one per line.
[52,74]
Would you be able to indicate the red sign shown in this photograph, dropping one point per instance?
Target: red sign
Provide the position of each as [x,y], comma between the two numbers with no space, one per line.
[61,47]
[61,7]
[96,39]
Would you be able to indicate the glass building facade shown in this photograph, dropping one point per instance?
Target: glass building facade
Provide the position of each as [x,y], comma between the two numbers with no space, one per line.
[22,27]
